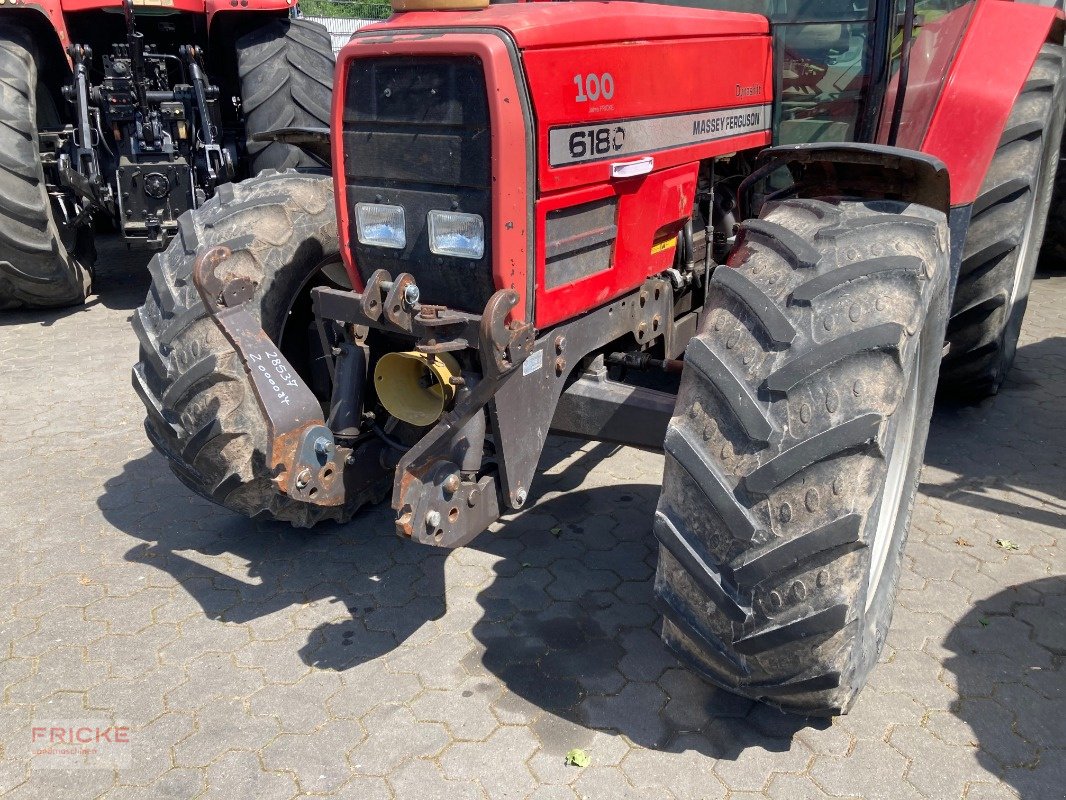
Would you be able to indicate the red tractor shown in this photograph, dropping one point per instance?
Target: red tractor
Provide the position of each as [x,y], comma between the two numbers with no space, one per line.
[128,113]
[741,239]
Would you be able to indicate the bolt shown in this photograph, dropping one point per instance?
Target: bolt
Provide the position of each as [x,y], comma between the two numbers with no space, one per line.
[303,478]
[451,483]
[473,497]
[432,519]
[350,459]
[520,497]
[642,329]
[411,294]
[560,344]
[323,446]
[560,366]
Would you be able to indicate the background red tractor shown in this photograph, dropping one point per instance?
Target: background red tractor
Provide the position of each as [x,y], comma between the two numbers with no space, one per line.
[127,114]
[741,242]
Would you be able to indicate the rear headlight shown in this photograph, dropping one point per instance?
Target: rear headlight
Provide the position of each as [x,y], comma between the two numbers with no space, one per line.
[380,225]
[455,234]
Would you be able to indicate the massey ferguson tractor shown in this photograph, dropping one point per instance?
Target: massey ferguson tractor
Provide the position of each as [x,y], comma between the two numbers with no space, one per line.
[754,241]
[126,114]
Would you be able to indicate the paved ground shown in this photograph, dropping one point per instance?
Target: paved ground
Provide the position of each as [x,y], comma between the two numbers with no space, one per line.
[256,662]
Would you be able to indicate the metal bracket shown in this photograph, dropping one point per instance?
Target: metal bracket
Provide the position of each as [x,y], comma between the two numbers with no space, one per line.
[443,510]
[301,451]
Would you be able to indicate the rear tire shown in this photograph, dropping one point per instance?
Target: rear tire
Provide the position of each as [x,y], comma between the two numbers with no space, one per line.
[1004,238]
[793,459]
[37,270]
[286,77]
[1053,248]
[202,410]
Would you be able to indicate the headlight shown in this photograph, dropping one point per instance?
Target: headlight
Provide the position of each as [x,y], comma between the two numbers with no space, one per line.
[380,225]
[455,234]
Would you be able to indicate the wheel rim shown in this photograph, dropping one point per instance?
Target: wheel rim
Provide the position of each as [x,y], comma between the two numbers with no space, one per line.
[1040,190]
[292,336]
[1023,249]
[329,272]
[895,483]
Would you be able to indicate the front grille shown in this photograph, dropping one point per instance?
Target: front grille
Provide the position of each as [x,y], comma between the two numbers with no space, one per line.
[416,134]
[579,241]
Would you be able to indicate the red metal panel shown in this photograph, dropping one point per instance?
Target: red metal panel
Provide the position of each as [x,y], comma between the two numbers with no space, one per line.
[195,6]
[932,54]
[688,76]
[651,210]
[536,25]
[210,7]
[993,62]
[510,198]
[225,6]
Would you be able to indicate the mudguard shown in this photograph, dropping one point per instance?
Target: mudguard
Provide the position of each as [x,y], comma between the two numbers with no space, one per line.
[45,18]
[853,169]
[995,54]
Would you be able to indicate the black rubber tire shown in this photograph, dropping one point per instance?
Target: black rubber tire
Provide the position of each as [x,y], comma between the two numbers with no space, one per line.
[1004,238]
[36,268]
[202,411]
[791,406]
[286,79]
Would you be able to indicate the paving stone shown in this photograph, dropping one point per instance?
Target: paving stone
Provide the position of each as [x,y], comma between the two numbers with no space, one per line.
[751,768]
[317,760]
[396,736]
[505,774]
[634,712]
[240,775]
[687,774]
[423,780]
[873,770]
[466,710]
[936,769]
[786,786]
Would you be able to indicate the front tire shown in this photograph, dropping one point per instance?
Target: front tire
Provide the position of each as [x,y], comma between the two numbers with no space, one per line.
[202,411]
[793,459]
[37,268]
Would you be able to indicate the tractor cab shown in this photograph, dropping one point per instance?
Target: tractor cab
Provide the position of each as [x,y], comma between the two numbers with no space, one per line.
[838,62]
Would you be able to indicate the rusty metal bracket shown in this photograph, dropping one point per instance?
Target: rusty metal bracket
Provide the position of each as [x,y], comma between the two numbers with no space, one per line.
[504,345]
[383,305]
[522,382]
[443,510]
[301,451]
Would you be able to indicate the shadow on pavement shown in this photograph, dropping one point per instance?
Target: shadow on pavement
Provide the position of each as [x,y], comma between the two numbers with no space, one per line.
[1008,669]
[567,623]
[1013,442]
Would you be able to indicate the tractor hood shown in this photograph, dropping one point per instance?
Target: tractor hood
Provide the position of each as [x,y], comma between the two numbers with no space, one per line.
[537,25]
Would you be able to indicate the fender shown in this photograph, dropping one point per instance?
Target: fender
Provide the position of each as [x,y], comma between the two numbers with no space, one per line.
[45,18]
[995,55]
[315,142]
[226,7]
[855,169]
